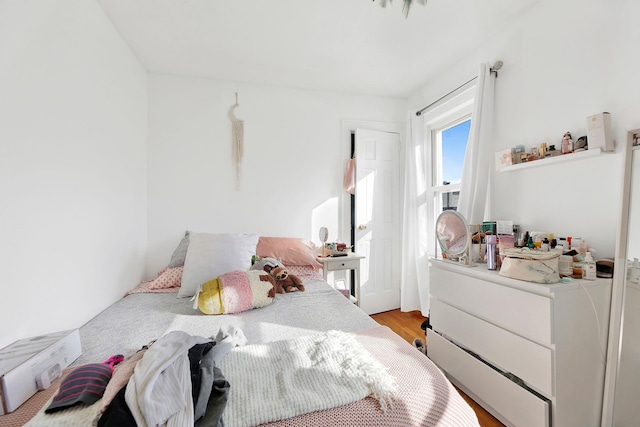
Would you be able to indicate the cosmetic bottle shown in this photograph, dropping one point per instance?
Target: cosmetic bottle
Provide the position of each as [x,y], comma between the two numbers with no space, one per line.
[562,242]
[588,268]
[491,252]
[545,245]
[552,152]
[537,242]
[530,243]
[582,247]
[565,265]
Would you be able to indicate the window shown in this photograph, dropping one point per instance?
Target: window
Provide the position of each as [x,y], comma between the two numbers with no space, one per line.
[446,130]
[450,143]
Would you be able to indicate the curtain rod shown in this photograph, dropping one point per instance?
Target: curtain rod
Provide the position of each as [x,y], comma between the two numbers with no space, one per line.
[493,69]
[419,112]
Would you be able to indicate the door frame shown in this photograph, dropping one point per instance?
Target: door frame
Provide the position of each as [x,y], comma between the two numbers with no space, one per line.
[349,126]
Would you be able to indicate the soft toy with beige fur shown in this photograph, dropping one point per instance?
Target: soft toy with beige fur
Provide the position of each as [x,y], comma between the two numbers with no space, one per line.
[286,282]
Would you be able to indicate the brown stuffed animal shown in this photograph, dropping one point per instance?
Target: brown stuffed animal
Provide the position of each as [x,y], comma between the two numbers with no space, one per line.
[286,282]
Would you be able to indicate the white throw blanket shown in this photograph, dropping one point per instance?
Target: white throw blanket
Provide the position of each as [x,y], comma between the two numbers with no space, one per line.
[283,379]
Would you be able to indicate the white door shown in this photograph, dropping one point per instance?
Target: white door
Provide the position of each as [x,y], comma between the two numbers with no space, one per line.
[377,219]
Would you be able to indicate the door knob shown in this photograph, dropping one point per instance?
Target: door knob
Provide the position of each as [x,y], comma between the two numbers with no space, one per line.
[362,227]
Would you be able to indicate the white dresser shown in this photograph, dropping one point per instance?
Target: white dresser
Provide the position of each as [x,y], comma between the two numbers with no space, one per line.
[552,337]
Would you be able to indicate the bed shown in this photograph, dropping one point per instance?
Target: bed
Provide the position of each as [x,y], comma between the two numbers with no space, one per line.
[422,395]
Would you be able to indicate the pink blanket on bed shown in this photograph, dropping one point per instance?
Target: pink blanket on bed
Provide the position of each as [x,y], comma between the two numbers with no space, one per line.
[425,397]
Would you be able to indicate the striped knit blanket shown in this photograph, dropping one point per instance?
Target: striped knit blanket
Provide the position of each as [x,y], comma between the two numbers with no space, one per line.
[283,379]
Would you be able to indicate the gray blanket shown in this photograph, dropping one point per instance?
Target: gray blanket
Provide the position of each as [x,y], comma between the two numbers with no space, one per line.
[137,319]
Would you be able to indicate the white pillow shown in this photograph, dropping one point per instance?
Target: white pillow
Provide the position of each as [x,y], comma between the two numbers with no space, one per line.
[210,255]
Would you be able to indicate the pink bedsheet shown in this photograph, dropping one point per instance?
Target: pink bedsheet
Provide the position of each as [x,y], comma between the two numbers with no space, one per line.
[425,396]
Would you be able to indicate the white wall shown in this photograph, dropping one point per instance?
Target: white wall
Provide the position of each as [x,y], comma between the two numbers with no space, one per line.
[563,61]
[293,162]
[73,115]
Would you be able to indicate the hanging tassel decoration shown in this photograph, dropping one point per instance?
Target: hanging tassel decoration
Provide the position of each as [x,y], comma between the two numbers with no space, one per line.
[237,145]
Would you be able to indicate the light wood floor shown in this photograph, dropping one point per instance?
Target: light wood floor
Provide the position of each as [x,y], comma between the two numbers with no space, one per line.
[407,325]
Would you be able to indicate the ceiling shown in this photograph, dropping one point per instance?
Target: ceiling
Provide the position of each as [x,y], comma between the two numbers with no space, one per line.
[350,46]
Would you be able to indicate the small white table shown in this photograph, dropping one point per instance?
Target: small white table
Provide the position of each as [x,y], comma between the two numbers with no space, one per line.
[349,262]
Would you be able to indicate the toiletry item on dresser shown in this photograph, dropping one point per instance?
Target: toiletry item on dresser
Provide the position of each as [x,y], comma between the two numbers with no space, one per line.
[545,245]
[588,267]
[491,252]
[565,265]
[530,243]
[577,269]
[562,242]
[581,246]
[505,241]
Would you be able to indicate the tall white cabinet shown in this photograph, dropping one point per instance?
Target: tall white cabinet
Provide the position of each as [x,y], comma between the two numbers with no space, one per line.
[531,354]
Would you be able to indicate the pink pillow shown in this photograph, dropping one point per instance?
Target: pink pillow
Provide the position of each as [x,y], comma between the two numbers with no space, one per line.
[289,250]
[167,278]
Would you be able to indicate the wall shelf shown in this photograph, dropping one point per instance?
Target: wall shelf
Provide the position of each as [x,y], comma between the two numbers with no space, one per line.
[553,160]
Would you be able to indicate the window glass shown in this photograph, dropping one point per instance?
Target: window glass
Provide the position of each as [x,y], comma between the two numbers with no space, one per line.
[450,144]
[454,145]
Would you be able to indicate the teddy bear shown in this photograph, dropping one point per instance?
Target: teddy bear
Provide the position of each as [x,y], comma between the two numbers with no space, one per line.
[286,282]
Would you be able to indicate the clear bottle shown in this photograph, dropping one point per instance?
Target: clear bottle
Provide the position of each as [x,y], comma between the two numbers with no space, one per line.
[588,268]
[583,247]
[491,252]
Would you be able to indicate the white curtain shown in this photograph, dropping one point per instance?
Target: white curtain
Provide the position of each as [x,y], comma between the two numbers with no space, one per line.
[417,232]
[415,274]
[478,158]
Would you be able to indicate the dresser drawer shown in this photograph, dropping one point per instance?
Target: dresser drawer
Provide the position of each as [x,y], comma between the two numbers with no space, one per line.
[522,312]
[503,349]
[343,265]
[502,397]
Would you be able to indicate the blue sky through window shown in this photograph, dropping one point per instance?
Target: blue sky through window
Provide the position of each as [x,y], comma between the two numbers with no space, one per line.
[454,144]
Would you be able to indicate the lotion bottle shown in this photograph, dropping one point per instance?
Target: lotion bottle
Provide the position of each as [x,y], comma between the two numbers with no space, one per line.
[588,268]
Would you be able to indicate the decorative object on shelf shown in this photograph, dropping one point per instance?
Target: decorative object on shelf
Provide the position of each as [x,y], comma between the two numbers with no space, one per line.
[237,137]
[566,143]
[599,131]
[453,236]
[504,158]
[405,7]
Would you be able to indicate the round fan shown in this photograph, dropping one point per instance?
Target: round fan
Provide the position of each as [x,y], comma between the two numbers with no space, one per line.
[452,232]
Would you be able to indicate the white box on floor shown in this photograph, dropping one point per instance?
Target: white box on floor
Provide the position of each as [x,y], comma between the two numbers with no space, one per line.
[599,132]
[32,364]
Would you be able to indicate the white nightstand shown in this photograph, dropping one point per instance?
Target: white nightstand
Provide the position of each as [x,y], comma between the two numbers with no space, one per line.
[349,262]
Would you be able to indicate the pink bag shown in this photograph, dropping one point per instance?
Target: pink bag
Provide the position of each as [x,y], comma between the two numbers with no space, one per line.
[349,182]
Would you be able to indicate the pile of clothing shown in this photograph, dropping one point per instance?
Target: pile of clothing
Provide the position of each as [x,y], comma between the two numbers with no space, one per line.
[173,381]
